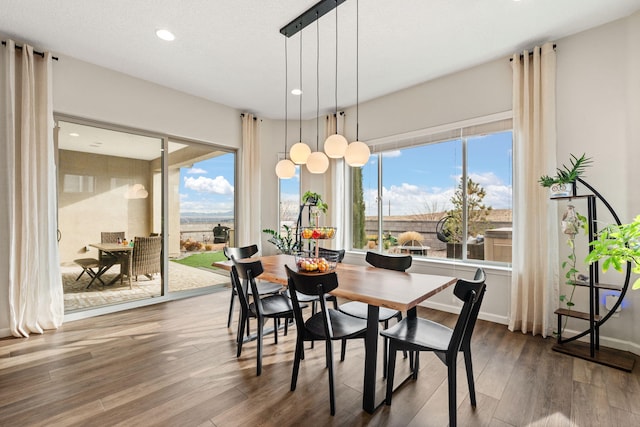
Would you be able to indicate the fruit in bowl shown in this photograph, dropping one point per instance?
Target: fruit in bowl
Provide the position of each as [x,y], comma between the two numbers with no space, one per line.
[314,265]
[318,232]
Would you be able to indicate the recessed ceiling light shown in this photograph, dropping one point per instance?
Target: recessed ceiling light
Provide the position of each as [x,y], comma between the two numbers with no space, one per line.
[74,134]
[165,35]
[296,92]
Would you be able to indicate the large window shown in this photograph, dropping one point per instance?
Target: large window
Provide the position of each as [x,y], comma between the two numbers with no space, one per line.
[445,195]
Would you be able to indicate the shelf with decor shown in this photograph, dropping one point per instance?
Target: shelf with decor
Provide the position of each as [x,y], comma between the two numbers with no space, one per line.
[592,350]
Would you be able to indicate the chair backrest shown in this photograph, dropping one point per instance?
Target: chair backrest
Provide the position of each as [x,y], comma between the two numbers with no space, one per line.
[146,257]
[248,271]
[311,284]
[111,236]
[472,293]
[389,262]
[334,254]
[241,252]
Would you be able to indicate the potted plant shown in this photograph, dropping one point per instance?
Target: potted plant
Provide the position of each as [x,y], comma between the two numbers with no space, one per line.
[561,185]
[618,245]
[315,203]
[572,221]
[285,242]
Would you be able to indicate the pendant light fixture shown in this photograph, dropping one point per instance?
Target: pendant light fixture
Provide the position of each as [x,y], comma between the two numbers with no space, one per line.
[336,144]
[357,153]
[285,168]
[300,151]
[317,162]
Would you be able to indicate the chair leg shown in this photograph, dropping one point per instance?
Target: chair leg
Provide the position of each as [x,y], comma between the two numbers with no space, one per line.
[416,364]
[313,311]
[452,393]
[343,350]
[385,351]
[329,355]
[231,303]
[240,334]
[296,362]
[81,273]
[260,327]
[276,325]
[469,367]
[390,368]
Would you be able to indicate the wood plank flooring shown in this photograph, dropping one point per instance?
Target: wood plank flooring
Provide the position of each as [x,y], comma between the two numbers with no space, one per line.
[174,364]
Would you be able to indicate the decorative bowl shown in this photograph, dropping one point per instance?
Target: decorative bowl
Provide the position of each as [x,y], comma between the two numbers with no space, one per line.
[318,233]
[307,262]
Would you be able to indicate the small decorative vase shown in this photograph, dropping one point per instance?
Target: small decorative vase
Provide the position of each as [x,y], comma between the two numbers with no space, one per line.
[561,190]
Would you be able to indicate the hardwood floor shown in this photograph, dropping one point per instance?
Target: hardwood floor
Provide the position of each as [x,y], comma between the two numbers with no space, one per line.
[174,364]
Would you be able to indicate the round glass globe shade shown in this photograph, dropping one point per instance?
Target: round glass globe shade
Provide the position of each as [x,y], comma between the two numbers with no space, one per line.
[317,162]
[357,154]
[299,153]
[335,146]
[285,169]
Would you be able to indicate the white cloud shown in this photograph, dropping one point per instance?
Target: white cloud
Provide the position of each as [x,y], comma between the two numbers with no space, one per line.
[201,184]
[206,206]
[410,199]
[394,153]
[196,171]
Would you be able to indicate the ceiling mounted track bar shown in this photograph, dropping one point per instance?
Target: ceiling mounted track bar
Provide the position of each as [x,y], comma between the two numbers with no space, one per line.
[310,16]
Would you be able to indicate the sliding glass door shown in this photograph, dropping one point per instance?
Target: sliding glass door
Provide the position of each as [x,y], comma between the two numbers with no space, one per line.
[201,214]
[106,187]
[140,215]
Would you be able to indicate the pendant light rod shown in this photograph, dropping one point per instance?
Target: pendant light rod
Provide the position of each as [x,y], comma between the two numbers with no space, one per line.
[300,118]
[336,86]
[286,95]
[357,71]
[311,15]
[317,85]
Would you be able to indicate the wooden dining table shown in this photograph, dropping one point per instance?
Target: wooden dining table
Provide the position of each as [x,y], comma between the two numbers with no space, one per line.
[117,250]
[373,286]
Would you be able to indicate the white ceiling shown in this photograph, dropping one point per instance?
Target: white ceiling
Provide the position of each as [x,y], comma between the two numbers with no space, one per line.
[231,52]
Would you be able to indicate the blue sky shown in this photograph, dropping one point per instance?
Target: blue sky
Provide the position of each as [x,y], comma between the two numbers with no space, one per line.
[423,179]
[208,186]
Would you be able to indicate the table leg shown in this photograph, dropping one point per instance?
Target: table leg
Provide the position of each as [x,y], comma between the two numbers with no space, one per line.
[370,360]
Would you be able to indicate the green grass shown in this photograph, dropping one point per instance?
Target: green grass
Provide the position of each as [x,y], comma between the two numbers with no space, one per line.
[202,259]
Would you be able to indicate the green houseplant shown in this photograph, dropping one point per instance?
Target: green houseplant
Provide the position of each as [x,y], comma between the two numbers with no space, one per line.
[567,174]
[617,245]
[285,242]
[316,206]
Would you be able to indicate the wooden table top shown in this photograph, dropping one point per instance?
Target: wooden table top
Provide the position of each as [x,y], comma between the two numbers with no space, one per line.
[111,247]
[371,285]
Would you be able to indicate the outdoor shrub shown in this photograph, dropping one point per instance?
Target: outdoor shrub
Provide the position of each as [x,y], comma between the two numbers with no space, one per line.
[192,246]
[408,236]
[208,247]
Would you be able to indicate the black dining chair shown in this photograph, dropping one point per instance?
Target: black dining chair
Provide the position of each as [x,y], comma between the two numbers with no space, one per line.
[326,325]
[262,307]
[335,255]
[264,288]
[360,309]
[415,335]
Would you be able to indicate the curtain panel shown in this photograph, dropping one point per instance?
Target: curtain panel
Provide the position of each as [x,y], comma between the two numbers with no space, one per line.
[335,185]
[249,213]
[535,277]
[31,270]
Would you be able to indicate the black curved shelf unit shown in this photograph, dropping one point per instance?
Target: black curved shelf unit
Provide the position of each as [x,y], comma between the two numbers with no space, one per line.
[593,351]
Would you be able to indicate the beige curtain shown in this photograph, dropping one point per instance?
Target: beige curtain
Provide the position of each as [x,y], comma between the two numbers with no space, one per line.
[335,185]
[249,201]
[535,279]
[30,266]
